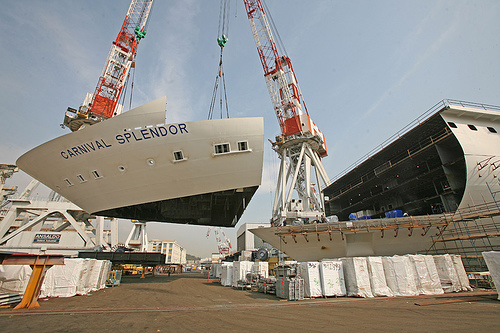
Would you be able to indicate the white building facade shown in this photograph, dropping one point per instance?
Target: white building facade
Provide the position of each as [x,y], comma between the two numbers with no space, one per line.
[175,254]
[247,241]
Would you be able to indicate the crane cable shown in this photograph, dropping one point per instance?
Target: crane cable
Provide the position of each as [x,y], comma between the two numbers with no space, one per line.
[223,31]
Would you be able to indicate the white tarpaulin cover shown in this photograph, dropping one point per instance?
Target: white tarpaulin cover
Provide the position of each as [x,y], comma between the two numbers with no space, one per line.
[95,275]
[14,277]
[226,276]
[377,277]
[426,280]
[62,280]
[399,275]
[433,272]
[240,270]
[332,278]
[492,259]
[447,273]
[215,270]
[261,268]
[77,276]
[461,273]
[357,278]
[309,271]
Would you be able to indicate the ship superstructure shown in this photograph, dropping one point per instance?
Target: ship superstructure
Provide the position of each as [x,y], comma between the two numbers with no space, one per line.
[431,188]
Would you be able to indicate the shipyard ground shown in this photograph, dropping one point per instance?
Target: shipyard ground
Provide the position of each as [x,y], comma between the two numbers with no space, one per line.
[190,303]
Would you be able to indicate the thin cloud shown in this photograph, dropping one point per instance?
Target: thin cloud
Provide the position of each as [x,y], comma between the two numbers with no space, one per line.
[176,47]
[422,57]
[65,39]
[452,27]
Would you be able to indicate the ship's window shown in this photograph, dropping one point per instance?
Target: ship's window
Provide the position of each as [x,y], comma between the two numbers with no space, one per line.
[492,130]
[178,155]
[80,178]
[452,124]
[242,145]
[472,127]
[96,174]
[222,148]
[68,182]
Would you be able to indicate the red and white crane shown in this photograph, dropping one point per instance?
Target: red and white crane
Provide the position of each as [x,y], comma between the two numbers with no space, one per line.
[223,243]
[103,103]
[301,144]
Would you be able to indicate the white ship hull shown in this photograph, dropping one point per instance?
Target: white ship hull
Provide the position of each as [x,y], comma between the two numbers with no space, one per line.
[136,166]
[477,132]
[314,242]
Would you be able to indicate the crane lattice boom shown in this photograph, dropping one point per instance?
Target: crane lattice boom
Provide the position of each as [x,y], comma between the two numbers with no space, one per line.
[281,81]
[103,104]
[120,58]
[301,144]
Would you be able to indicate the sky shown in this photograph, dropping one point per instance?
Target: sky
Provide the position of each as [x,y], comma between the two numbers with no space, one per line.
[365,68]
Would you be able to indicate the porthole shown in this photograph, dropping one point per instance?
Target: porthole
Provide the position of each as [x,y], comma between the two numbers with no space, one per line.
[472,127]
[150,162]
[452,124]
[492,130]
[96,174]
[121,168]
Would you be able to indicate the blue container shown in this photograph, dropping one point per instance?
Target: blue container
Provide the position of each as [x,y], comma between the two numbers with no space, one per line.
[393,214]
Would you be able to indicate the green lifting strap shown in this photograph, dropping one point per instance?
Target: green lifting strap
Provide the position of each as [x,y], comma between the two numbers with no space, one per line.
[140,35]
[222,41]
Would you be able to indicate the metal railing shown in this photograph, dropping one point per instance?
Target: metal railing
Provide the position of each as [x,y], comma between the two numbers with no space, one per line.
[424,221]
[426,115]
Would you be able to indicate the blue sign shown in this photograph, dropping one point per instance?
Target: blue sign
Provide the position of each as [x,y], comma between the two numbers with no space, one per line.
[47,238]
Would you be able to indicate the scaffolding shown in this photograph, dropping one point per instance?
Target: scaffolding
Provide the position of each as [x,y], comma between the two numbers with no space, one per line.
[467,232]
[475,230]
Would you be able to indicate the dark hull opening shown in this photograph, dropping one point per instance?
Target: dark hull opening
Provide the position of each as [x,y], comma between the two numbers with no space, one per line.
[222,208]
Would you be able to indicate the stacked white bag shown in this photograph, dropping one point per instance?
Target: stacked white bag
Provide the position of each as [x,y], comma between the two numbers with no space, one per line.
[309,271]
[377,277]
[14,277]
[492,259]
[461,273]
[332,278]
[447,273]
[226,277]
[76,276]
[215,271]
[357,277]
[400,275]
[426,275]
